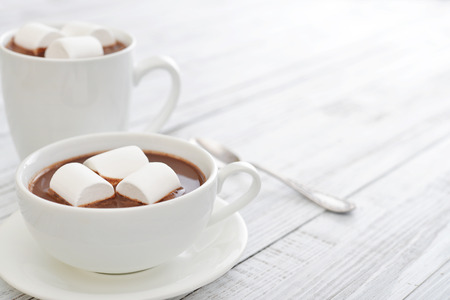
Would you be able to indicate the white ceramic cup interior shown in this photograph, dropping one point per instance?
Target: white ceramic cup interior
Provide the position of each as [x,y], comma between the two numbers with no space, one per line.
[122,240]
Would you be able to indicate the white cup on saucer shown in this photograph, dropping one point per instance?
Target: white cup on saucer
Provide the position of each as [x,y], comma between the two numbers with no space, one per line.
[123,240]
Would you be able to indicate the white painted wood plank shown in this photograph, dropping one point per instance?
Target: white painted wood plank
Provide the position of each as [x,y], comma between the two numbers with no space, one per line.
[402,146]
[9,293]
[436,287]
[375,253]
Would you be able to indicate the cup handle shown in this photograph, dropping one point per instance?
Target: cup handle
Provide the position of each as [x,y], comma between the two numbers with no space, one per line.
[249,195]
[165,63]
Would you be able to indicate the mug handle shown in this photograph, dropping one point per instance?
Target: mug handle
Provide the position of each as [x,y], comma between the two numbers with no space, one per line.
[249,195]
[166,63]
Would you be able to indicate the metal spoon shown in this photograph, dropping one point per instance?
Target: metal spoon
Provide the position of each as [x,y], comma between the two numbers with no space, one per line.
[328,202]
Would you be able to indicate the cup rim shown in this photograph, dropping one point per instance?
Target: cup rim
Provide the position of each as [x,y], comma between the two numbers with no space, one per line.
[6,36]
[34,156]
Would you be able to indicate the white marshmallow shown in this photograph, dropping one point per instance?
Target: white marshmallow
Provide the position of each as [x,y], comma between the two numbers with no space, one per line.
[74,47]
[78,185]
[150,183]
[33,36]
[117,163]
[103,34]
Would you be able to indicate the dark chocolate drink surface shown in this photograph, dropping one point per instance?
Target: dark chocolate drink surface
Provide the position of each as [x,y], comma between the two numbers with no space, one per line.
[191,177]
[41,51]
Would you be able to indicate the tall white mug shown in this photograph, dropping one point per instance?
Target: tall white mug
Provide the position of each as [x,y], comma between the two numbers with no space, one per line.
[50,99]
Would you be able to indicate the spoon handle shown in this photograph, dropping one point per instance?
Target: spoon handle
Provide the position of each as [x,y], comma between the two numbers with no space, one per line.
[326,201]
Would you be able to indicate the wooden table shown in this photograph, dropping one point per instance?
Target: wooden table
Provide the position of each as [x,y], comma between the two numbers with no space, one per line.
[348,97]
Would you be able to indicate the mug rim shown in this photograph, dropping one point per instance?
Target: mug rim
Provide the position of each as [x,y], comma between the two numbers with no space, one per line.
[6,36]
[32,158]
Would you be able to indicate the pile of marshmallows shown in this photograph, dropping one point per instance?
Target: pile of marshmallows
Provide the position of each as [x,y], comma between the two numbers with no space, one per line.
[74,40]
[128,167]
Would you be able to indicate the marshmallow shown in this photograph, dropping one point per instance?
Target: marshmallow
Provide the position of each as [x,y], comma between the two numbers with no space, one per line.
[74,47]
[117,163]
[150,183]
[33,36]
[78,185]
[104,35]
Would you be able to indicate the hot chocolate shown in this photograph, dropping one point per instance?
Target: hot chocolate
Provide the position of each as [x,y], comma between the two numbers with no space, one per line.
[11,45]
[70,41]
[189,175]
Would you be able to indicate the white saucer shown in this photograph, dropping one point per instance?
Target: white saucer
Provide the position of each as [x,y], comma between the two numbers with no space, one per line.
[29,269]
